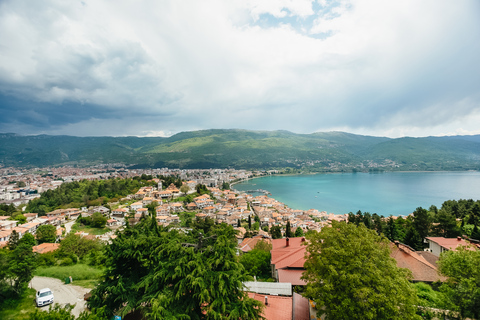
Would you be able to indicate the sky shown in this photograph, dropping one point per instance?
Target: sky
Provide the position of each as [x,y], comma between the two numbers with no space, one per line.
[156,68]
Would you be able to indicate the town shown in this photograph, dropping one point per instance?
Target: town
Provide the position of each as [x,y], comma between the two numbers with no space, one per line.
[205,194]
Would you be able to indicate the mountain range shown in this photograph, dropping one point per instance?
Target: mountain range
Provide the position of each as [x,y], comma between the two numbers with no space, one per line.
[244,149]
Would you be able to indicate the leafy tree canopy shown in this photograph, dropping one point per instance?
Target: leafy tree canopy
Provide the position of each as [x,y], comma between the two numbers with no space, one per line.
[46,233]
[167,274]
[461,266]
[350,273]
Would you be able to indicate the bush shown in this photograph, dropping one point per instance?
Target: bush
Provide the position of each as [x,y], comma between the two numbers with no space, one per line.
[46,259]
[66,262]
[77,272]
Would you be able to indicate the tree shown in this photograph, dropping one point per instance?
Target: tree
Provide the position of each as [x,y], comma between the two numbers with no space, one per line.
[98,220]
[288,230]
[475,233]
[22,264]
[257,261]
[447,225]
[74,244]
[46,233]
[13,241]
[249,222]
[225,186]
[463,285]
[167,274]
[57,312]
[276,232]
[299,232]
[184,188]
[349,272]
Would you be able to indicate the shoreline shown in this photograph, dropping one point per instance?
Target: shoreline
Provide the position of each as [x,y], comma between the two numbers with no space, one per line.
[394,209]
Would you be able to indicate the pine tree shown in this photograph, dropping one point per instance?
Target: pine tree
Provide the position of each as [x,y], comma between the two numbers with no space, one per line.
[288,230]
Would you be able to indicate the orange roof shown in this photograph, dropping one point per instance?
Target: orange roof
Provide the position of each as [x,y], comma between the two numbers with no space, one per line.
[450,243]
[421,269]
[281,308]
[291,256]
[249,243]
[46,247]
[291,276]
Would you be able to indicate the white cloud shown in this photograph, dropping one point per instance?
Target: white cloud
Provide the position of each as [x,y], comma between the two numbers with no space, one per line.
[379,66]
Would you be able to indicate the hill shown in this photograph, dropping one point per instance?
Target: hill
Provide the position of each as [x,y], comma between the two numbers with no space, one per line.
[321,151]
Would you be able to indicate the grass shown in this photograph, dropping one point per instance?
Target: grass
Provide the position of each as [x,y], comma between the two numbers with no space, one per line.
[82,274]
[20,308]
[95,231]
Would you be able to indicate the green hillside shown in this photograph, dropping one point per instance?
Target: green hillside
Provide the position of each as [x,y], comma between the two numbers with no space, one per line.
[321,151]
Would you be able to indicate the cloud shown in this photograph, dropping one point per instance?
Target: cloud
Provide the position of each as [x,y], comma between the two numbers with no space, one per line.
[368,66]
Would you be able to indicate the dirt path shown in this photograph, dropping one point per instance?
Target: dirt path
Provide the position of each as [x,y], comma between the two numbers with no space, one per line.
[63,293]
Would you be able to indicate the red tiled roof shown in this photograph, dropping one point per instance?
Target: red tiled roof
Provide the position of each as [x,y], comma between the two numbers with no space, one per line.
[291,276]
[301,306]
[421,269]
[46,247]
[278,308]
[249,243]
[449,243]
[292,256]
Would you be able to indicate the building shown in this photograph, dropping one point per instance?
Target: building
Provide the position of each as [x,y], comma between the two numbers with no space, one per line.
[437,245]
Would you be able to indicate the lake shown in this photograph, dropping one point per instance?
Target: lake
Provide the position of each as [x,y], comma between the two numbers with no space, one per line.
[389,193]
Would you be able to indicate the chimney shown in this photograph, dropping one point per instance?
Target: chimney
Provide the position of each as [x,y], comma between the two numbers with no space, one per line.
[287,242]
[459,238]
[303,239]
[396,243]
[266,300]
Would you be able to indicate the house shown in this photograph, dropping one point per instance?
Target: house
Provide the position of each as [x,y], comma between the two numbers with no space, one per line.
[5,235]
[288,258]
[111,222]
[249,243]
[46,247]
[165,194]
[176,207]
[147,200]
[423,268]
[120,212]
[283,308]
[7,224]
[136,205]
[437,245]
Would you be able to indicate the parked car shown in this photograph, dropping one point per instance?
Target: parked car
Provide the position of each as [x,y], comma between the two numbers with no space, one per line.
[44,297]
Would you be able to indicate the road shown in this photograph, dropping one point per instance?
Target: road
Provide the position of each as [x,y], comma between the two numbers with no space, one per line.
[63,293]
[68,226]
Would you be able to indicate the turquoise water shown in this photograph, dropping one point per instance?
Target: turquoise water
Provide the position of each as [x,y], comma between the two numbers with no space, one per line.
[390,193]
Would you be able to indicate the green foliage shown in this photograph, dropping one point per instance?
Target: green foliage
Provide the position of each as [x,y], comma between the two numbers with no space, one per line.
[225,186]
[350,273]
[428,297]
[257,263]
[46,233]
[184,189]
[288,230]
[16,268]
[83,193]
[17,307]
[7,209]
[276,232]
[244,150]
[299,232]
[57,312]
[463,286]
[166,274]
[19,217]
[186,219]
[74,244]
[77,272]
